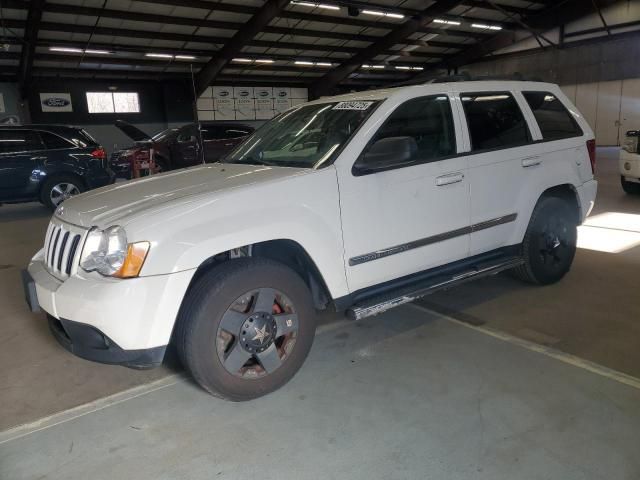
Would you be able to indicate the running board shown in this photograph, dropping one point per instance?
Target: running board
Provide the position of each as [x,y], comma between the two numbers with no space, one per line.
[394,298]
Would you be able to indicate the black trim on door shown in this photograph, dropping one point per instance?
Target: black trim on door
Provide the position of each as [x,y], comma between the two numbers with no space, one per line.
[441,237]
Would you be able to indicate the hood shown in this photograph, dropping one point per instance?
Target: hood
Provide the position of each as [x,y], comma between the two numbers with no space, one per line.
[134,133]
[119,203]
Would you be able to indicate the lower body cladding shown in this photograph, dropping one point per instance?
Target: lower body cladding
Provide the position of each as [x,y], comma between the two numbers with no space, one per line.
[125,322]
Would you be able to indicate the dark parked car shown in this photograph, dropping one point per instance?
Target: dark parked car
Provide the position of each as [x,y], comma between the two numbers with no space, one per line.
[49,163]
[178,147]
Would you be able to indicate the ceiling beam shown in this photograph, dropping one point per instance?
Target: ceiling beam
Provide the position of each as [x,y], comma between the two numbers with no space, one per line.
[34,18]
[270,10]
[396,36]
[546,19]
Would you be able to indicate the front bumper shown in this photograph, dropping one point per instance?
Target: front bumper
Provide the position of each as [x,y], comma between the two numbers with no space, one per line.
[127,322]
[629,164]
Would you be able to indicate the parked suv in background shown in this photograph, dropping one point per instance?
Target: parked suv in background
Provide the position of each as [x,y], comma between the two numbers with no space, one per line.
[178,147]
[629,162]
[362,202]
[49,163]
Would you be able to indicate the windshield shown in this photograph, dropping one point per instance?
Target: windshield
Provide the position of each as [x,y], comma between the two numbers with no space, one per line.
[306,136]
[158,137]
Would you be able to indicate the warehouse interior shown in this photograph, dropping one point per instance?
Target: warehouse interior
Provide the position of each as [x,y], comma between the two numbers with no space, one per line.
[490,379]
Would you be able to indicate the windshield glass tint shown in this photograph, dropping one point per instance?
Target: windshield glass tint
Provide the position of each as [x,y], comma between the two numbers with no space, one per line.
[307,136]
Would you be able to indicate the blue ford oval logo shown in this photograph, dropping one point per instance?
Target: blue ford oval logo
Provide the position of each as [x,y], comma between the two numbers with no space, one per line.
[264,94]
[244,93]
[55,102]
[223,93]
[282,94]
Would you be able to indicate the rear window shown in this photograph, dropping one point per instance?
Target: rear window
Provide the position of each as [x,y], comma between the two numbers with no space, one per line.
[553,118]
[494,120]
[52,142]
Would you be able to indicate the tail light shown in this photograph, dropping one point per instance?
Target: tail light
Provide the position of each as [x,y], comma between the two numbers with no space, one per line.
[591,148]
[99,153]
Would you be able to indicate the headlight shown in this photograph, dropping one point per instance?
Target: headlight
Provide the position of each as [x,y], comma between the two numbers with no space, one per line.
[108,253]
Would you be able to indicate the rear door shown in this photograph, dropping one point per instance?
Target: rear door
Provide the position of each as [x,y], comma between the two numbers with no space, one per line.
[221,139]
[502,157]
[21,152]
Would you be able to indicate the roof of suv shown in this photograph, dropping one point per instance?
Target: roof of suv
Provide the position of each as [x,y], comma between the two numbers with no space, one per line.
[51,128]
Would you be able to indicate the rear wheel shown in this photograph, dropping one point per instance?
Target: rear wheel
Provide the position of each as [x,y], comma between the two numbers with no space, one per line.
[549,244]
[245,328]
[631,188]
[58,189]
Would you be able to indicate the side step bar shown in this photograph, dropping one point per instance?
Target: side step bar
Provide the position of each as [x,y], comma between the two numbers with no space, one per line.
[397,297]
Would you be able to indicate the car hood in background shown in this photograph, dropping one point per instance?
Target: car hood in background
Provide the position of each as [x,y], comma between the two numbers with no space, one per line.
[134,133]
[119,203]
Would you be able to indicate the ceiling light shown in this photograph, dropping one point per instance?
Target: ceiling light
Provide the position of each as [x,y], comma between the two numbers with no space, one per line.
[446,22]
[185,57]
[407,67]
[313,64]
[300,62]
[65,49]
[315,5]
[263,60]
[378,67]
[158,55]
[242,60]
[324,64]
[380,13]
[97,52]
[486,27]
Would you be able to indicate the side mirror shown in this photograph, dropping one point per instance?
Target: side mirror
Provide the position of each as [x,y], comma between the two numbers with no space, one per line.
[387,153]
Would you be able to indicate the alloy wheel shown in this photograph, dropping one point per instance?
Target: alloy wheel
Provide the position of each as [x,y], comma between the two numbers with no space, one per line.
[61,192]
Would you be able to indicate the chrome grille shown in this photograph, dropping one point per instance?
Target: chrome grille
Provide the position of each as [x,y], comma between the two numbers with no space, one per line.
[61,248]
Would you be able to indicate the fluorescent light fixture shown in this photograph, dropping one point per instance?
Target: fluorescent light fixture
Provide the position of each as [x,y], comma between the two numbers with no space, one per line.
[376,67]
[185,57]
[305,63]
[407,67]
[65,49]
[324,6]
[97,52]
[242,60]
[263,60]
[486,27]
[158,55]
[446,22]
[379,13]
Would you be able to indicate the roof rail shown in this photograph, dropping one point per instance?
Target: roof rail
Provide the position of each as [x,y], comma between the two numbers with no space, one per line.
[467,77]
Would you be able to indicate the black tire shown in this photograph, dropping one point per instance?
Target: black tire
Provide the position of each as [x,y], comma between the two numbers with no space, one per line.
[631,188]
[200,317]
[50,184]
[549,244]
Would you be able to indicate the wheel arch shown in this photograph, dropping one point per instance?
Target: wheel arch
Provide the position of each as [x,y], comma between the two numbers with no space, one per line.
[285,251]
[567,192]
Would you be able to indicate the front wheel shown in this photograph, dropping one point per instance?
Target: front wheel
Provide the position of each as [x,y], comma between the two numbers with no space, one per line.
[631,188]
[549,244]
[245,328]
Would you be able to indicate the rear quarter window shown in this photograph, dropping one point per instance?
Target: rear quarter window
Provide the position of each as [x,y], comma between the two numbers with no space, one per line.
[553,118]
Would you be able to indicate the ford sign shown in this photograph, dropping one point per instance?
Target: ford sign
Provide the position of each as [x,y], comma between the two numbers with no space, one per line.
[223,93]
[264,93]
[282,94]
[55,102]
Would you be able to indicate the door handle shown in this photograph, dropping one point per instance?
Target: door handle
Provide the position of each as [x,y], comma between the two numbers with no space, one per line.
[449,179]
[531,162]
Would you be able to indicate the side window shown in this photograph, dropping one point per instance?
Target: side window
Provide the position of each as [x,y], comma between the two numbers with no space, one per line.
[553,118]
[186,133]
[15,141]
[210,132]
[429,122]
[494,120]
[236,132]
[52,142]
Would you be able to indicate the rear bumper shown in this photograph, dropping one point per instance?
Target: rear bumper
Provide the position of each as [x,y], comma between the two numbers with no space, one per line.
[587,194]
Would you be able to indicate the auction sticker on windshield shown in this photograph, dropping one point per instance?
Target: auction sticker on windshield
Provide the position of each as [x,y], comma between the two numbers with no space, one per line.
[352,106]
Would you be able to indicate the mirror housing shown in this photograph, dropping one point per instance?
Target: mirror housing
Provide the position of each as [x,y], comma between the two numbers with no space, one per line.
[385,154]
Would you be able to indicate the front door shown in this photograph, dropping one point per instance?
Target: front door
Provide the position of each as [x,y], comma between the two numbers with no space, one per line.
[412,215]
[18,161]
[185,150]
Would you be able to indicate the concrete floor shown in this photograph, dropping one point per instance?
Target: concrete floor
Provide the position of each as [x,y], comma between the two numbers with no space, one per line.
[404,395]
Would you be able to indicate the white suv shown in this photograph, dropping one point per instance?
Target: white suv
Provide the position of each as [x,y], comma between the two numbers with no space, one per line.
[361,202]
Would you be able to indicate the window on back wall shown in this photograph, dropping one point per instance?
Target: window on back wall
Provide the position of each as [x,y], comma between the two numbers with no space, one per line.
[113,102]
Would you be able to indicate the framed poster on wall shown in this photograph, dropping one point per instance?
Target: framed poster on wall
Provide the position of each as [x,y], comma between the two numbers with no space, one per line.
[56,102]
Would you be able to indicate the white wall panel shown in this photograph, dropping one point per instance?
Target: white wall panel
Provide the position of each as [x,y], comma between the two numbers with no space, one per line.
[608,113]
